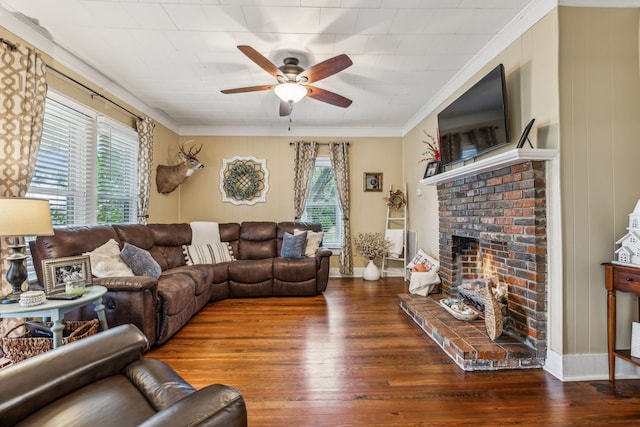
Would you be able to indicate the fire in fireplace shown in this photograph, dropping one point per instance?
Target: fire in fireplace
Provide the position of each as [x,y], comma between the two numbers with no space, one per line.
[473,290]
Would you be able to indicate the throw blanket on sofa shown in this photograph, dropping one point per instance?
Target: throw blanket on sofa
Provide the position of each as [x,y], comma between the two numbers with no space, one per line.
[204,232]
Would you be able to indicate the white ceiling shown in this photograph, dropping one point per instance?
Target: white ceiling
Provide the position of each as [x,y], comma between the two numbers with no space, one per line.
[174,56]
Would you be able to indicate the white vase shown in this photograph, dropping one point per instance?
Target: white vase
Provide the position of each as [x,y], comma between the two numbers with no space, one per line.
[371,271]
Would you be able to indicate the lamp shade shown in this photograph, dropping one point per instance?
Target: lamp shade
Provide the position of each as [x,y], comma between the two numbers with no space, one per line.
[290,92]
[25,217]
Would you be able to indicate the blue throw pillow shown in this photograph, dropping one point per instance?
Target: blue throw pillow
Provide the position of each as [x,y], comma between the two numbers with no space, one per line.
[293,246]
[140,261]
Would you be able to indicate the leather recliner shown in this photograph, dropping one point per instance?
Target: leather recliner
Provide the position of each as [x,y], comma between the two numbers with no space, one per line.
[103,380]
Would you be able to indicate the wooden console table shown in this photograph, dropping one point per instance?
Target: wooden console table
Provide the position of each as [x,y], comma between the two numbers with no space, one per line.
[624,279]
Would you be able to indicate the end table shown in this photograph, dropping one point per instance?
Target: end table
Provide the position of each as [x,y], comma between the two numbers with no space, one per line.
[56,309]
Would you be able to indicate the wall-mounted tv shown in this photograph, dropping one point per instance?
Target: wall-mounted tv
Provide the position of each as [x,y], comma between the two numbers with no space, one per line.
[477,121]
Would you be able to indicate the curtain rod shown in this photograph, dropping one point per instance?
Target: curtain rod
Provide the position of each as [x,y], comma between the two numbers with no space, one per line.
[90,90]
[319,143]
[11,46]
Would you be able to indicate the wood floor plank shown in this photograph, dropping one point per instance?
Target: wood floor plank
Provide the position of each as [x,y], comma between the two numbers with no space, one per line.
[352,357]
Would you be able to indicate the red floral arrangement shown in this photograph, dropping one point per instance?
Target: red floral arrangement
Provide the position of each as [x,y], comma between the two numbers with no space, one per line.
[433,148]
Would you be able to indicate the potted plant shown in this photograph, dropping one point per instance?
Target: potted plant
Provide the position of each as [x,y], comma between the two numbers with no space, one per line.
[372,246]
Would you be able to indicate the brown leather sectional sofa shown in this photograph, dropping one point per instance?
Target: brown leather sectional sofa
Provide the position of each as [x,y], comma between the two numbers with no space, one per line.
[161,307]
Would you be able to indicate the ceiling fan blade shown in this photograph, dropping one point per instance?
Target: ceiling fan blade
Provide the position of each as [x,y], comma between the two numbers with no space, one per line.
[328,97]
[263,62]
[247,89]
[285,108]
[326,68]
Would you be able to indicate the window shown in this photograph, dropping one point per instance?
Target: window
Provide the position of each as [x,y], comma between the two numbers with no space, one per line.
[322,204]
[117,170]
[63,170]
[86,166]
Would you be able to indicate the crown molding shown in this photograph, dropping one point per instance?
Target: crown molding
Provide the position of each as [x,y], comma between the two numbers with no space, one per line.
[599,3]
[297,131]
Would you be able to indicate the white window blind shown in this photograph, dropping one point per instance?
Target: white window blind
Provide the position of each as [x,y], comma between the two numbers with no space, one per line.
[64,172]
[87,166]
[117,180]
[322,204]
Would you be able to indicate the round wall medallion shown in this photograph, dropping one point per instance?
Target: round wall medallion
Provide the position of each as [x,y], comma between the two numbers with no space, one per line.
[244,180]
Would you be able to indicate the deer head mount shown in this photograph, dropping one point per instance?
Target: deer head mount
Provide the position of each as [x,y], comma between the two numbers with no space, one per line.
[168,178]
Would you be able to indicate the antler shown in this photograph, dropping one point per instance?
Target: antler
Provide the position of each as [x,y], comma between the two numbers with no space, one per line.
[193,151]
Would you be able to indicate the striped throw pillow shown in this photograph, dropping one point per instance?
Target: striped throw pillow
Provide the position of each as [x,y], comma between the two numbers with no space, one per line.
[211,253]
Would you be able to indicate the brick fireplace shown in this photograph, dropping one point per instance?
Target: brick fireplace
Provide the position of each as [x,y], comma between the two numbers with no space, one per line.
[500,213]
[504,211]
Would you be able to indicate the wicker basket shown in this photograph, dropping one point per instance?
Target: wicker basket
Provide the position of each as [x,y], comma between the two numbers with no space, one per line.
[22,347]
[492,313]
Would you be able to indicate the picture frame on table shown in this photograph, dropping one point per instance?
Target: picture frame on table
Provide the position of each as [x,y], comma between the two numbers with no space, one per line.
[57,271]
[372,181]
[432,169]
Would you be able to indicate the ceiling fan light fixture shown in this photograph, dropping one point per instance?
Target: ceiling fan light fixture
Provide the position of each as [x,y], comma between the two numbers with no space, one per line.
[290,92]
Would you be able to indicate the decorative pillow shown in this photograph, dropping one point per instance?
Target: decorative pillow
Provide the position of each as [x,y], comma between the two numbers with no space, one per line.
[293,246]
[106,262]
[211,253]
[423,258]
[140,261]
[314,239]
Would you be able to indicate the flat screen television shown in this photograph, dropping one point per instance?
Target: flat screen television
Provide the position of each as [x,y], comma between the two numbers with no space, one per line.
[477,121]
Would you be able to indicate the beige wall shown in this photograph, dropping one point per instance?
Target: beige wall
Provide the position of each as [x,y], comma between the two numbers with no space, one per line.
[200,197]
[599,107]
[163,208]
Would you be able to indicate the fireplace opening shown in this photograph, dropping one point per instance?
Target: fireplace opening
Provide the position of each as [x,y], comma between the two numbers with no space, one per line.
[481,267]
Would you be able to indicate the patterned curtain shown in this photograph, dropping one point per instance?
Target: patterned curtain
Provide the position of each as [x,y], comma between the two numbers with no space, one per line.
[23,89]
[340,163]
[303,165]
[145,161]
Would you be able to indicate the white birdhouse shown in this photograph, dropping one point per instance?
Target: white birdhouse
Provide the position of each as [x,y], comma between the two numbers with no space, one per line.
[629,250]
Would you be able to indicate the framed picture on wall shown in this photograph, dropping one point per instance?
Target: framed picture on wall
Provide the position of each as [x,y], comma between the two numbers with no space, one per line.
[373,181]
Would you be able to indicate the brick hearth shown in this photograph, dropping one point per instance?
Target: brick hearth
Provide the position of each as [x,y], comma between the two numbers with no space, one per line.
[467,343]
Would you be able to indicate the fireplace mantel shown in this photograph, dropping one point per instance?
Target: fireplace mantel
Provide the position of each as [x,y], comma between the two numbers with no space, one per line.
[504,159]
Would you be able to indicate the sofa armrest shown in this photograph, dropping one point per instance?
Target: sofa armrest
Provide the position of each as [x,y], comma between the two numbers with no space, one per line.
[128,300]
[215,405]
[323,257]
[160,384]
[129,283]
[322,252]
[38,381]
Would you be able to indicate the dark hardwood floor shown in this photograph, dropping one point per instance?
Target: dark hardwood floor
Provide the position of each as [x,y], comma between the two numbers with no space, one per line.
[351,357]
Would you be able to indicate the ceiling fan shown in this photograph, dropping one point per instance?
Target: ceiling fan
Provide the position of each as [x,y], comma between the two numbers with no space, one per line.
[293,80]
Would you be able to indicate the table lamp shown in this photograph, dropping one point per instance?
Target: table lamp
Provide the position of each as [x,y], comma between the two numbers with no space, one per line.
[22,217]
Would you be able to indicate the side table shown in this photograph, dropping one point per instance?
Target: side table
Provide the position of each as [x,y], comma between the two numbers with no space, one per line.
[619,278]
[56,309]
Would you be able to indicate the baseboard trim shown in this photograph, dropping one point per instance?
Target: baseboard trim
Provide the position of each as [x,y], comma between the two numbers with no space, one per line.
[357,272]
[587,367]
